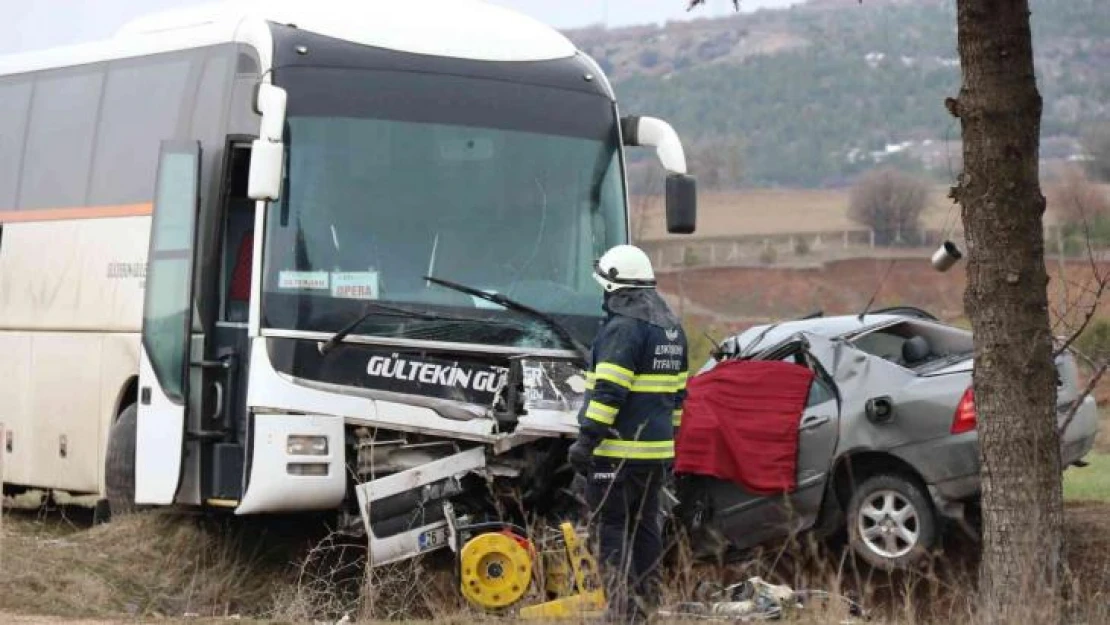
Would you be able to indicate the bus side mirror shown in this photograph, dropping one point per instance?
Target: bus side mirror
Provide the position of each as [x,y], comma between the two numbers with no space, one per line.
[268,151]
[264,181]
[682,206]
[269,102]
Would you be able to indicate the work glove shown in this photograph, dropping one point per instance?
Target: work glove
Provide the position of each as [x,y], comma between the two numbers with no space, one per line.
[580,455]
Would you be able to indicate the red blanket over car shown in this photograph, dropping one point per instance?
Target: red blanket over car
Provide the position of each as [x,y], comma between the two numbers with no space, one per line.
[740,423]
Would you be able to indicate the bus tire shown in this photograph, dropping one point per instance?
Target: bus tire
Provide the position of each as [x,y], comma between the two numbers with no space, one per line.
[119,463]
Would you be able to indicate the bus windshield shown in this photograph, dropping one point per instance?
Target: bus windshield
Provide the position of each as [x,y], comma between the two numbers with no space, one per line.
[394,176]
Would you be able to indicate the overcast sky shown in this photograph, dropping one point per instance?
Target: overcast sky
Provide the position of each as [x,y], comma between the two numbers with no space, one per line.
[33,24]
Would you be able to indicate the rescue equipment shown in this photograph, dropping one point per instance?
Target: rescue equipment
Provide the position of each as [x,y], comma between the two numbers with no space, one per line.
[495,569]
[497,566]
[572,578]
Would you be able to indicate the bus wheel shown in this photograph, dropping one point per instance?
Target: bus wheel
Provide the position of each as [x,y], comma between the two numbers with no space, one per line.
[119,464]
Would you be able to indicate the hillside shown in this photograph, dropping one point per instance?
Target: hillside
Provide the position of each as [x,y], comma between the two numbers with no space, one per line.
[812,95]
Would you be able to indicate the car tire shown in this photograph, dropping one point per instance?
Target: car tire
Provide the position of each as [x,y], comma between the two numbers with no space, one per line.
[891,522]
[119,464]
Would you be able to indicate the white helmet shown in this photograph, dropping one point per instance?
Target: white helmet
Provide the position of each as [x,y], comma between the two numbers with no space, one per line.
[624,267]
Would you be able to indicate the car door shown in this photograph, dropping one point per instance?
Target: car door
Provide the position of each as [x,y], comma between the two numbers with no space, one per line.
[746,519]
[817,438]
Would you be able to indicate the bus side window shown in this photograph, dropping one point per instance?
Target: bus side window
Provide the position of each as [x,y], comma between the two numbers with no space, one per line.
[238,244]
[239,289]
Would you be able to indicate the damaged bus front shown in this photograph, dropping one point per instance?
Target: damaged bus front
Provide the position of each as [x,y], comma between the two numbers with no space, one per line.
[414,276]
[425,280]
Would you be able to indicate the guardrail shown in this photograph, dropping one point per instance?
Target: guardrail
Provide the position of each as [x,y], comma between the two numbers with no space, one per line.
[783,248]
[815,248]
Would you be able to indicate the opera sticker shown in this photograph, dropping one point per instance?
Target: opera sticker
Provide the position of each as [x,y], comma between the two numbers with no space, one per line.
[355,285]
[303,280]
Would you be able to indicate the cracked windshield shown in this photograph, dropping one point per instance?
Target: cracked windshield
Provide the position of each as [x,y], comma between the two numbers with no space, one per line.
[376,203]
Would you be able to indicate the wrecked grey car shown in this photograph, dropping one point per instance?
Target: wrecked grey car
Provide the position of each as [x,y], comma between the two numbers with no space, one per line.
[887,447]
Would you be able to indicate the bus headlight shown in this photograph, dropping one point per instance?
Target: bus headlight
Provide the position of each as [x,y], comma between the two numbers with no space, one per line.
[297,445]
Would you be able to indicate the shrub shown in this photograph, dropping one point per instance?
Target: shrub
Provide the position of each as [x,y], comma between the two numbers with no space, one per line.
[1095,340]
[889,202]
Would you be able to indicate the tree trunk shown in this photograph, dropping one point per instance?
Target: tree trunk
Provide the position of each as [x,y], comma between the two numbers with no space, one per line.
[1007,303]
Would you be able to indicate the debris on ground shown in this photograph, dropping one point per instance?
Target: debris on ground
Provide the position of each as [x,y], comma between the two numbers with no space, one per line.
[756,600]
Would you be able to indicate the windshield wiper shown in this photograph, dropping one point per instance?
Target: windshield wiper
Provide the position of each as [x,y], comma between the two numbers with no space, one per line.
[511,304]
[383,310]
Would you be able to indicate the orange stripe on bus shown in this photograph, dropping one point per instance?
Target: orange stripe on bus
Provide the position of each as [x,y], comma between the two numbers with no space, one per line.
[83,212]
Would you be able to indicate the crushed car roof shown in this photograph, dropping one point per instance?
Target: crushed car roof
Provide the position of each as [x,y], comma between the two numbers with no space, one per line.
[828,327]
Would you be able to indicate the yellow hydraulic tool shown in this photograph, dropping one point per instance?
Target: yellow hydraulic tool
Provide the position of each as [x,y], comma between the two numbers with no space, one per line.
[573,577]
[495,569]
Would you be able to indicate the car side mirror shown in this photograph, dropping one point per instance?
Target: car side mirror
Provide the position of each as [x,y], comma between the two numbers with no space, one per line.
[880,410]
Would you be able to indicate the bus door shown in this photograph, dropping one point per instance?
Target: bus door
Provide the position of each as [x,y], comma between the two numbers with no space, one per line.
[171,335]
[223,427]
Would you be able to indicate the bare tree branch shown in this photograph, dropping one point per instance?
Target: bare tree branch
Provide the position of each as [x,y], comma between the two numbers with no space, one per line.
[1100,279]
[1087,390]
[735,4]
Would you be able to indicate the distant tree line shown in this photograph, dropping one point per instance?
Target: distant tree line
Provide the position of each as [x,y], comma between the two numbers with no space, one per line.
[817,115]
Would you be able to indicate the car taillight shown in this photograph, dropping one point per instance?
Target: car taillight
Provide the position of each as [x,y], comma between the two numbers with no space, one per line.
[964,419]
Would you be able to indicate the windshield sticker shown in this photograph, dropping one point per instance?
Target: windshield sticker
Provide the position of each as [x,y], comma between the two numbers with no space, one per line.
[303,280]
[355,284]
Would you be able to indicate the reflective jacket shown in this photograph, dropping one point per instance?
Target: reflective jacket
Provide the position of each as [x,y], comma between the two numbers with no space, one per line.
[636,385]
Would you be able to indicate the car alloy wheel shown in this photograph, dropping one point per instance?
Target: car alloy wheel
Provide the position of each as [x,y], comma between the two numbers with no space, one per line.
[888,524]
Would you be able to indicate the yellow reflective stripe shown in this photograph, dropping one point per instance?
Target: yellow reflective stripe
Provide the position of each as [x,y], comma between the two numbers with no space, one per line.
[615,369]
[682,378]
[601,413]
[670,378]
[647,383]
[614,373]
[659,383]
[676,417]
[635,450]
[605,409]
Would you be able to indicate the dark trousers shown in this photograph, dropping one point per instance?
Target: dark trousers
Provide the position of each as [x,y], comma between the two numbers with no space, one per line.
[624,502]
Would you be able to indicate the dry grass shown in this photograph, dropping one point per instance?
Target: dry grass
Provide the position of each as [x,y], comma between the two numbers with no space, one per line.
[143,565]
[167,566]
[941,592]
[332,581]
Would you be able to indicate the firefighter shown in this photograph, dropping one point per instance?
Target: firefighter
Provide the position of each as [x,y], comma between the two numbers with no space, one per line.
[625,446]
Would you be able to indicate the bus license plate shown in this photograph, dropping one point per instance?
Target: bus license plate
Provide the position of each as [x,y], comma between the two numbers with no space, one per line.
[432,539]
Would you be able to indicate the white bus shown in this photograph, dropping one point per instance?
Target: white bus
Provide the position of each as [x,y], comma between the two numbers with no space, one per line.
[217,231]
